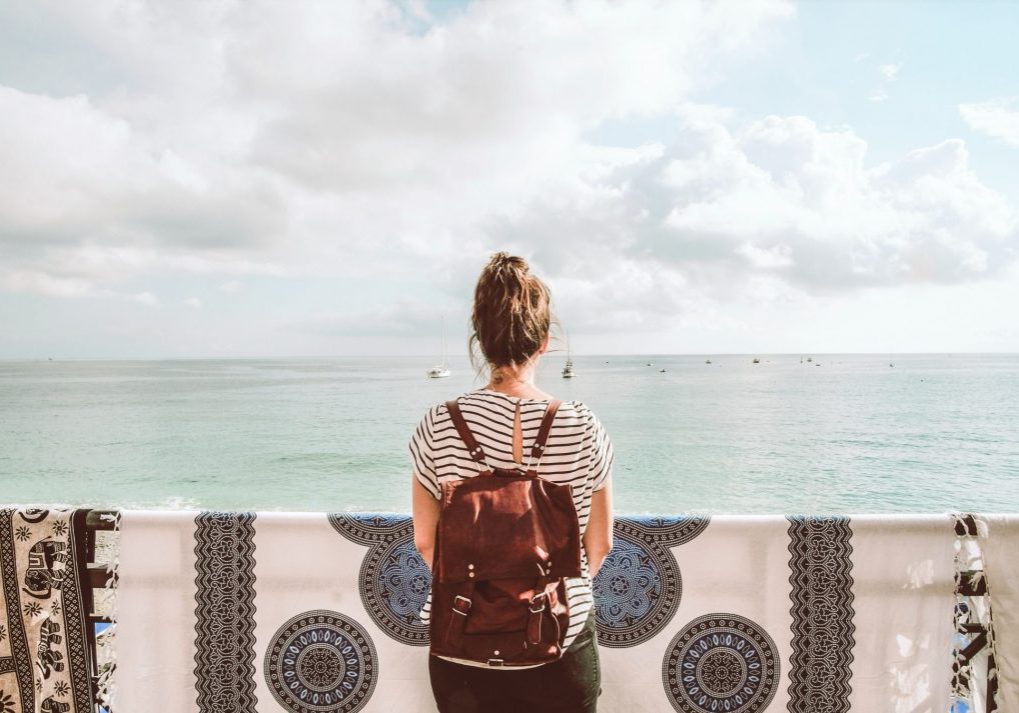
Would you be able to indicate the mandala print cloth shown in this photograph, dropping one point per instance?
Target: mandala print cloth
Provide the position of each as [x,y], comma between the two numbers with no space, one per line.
[45,660]
[242,612]
[314,612]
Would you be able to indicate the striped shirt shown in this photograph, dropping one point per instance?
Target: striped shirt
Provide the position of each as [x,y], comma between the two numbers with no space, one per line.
[578,452]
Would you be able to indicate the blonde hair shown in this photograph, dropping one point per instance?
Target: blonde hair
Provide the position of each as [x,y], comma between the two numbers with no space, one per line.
[512,313]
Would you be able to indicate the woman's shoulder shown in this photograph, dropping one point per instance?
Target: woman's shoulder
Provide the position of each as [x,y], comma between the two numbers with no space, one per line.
[493,402]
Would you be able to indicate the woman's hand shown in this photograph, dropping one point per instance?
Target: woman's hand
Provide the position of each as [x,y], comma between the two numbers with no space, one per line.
[426,517]
[598,536]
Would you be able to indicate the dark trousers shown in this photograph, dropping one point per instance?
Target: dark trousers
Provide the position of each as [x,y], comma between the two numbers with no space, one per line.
[569,685]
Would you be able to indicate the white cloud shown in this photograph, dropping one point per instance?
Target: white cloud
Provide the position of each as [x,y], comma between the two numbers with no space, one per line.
[251,138]
[193,302]
[890,71]
[773,209]
[145,298]
[345,140]
[997,118]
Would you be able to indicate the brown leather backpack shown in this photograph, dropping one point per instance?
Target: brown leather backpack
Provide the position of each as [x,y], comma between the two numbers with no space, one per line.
[505,542]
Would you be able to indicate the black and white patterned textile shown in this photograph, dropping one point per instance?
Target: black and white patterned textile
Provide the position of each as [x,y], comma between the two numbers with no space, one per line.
[313,612]
[394,580]
[246,612]
[45,661]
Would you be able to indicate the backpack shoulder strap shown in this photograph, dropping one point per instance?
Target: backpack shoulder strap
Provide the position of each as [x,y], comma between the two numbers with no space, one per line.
[473,447]
[546,425]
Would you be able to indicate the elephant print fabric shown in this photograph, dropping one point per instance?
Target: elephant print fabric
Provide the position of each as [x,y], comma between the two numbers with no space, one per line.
[44,653]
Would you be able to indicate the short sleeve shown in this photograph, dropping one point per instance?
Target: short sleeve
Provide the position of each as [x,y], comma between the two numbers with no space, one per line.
[422,455]
[601,453]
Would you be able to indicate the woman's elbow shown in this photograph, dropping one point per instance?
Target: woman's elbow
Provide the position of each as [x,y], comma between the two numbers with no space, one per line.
[426,546]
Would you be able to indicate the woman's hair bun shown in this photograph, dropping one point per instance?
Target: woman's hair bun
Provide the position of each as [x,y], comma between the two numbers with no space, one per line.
[511,315]
[503,261]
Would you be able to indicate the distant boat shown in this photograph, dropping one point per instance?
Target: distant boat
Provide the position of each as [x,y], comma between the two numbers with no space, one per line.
[756,360]
[568,369]
[650,364]
[661,371]
[707,361]
[890,364]
[809,359]
[440,371]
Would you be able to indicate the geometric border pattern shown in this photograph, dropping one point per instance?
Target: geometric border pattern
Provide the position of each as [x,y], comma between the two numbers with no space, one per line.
[822,613]
[77,600]
[225,611]
[18,637]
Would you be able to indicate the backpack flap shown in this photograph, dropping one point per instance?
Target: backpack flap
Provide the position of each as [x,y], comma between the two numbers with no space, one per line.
[503,528]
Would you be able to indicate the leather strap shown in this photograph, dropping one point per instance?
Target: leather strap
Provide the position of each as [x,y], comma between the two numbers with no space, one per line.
[478,453]
[458,618]
[543,430]
[473,447]
[539,608]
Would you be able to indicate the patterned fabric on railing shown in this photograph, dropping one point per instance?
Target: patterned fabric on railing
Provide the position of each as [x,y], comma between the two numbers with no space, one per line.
[45,659]
[319,612]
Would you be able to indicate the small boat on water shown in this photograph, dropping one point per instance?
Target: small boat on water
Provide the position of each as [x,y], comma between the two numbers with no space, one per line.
[650,364]
[568,369]
[661,371]
[440,371]
[810,359]
[707,361]
[756,360]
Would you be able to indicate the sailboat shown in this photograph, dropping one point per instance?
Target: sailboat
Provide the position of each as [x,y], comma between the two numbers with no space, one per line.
[568,369]
[440,371]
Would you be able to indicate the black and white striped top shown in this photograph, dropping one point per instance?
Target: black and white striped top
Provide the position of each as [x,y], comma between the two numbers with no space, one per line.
[578,452]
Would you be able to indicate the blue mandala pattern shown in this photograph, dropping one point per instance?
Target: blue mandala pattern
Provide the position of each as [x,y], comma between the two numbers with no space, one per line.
[639,586]
[394,581]
[721,662]
[637,590]
[321,661]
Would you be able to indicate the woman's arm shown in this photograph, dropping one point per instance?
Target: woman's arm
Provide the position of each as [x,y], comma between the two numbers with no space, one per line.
[598,536]
[426,517]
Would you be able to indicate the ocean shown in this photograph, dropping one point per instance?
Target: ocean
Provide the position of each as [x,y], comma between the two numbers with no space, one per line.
[842,433]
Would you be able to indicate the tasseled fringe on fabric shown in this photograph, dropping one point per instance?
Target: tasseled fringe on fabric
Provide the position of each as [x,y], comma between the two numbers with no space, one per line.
[105,649]
[974,650]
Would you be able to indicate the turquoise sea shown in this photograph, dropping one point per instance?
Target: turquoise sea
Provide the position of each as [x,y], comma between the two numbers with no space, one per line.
[843,433]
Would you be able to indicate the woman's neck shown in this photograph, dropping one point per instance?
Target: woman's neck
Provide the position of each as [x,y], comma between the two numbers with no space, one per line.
[515,382]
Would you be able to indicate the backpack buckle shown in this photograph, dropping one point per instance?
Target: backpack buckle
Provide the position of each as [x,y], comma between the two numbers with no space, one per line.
[458,608]
[541,595]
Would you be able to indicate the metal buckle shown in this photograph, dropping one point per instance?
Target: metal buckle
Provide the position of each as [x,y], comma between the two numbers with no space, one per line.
[541,595]
[456,609]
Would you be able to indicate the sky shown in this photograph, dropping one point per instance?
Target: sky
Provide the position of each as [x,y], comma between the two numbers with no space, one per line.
[260,179]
